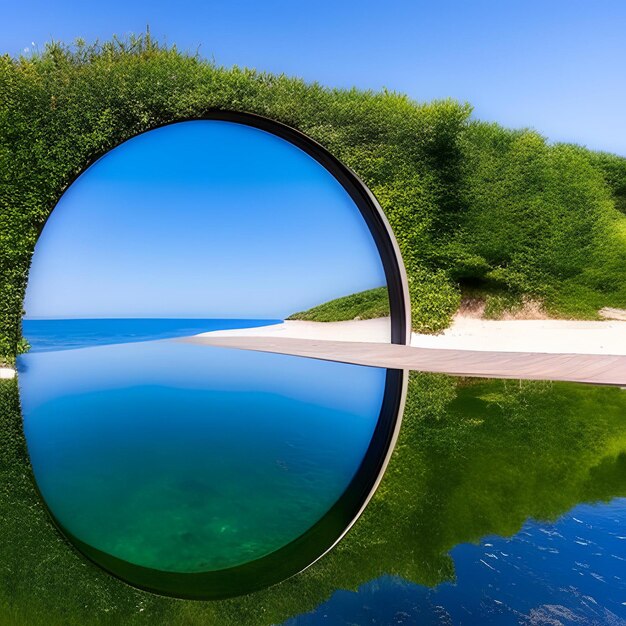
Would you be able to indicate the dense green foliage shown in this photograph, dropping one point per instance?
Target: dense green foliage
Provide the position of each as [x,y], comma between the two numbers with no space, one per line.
[474,458]
[613,169]
[468,202]
[541,221]
[364,305]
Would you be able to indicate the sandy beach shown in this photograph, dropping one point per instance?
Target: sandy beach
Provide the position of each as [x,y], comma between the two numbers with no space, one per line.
[376,330]
[465,333]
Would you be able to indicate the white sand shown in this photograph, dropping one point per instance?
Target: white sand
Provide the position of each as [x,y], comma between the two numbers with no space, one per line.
[7,372]
[542,336]
[376,330]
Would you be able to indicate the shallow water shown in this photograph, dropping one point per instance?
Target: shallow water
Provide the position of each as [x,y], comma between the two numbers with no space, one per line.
[185,458]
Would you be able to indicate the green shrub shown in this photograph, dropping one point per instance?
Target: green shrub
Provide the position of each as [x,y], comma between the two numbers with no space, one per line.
[540,220]
[364,305]
[613,169]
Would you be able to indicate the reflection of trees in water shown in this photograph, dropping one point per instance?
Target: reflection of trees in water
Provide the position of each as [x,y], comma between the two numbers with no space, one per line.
[474,458]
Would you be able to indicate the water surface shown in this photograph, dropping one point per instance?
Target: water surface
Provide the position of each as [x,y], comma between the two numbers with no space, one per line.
[572,571]
[504,503]
[185,458]
[66,334]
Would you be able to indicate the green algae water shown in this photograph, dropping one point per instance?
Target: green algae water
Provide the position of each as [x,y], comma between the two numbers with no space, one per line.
[185,459]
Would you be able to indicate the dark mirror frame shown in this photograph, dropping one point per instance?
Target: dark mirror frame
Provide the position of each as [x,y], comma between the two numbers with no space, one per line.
[329,530]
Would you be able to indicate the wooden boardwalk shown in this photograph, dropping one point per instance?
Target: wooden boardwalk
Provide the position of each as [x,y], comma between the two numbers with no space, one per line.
[599,369]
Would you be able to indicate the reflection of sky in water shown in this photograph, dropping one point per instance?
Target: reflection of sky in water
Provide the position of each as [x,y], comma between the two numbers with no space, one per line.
[569,572]
[189,458]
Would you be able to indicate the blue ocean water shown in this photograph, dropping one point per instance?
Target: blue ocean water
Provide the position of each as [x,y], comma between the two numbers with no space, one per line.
[187,458]
[569,572]
[66,334]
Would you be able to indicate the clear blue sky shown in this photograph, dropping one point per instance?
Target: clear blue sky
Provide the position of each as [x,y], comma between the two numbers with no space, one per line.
[201,219]
[555,65]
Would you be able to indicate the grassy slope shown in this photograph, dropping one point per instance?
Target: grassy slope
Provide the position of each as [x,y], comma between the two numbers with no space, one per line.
[474,458]
[364,305]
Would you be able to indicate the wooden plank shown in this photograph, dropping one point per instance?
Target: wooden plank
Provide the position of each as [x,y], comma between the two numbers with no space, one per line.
[582,368]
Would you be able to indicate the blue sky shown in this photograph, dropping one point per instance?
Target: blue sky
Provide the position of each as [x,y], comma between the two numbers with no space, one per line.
[555,65]
[201,219]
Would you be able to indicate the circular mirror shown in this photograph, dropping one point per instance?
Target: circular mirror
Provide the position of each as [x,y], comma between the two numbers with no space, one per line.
[191,469]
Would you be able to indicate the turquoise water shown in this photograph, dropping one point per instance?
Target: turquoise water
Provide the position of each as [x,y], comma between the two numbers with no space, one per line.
[185,458]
